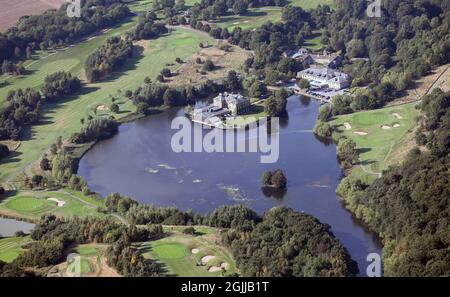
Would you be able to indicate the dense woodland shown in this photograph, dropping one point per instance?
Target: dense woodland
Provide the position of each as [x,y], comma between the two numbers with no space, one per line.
[59,85]
[22,108]
[288,243]
[108,58]
[54,28]
[409,206]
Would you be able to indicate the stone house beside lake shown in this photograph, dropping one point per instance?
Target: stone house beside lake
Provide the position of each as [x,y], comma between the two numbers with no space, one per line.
[235,103]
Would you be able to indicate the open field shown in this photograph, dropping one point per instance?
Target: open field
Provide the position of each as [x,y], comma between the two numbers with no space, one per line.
[185,255]
[32,205]
[63,118]
[11,247]
[13,10]
[378,134]
[191,72]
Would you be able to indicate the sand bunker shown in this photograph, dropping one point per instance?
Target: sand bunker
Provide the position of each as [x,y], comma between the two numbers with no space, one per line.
[194,251]
[214,269]
[396,125]
[386,127]
[102,107]
[224,265]
[206,259]
[397,116]
[360,133]
[60,203]
[347,126]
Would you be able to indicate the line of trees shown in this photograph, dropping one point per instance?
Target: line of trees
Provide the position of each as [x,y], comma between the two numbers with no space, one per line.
[60,84]
[108,58]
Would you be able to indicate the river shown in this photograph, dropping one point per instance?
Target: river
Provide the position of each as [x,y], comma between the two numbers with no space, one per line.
[139,162]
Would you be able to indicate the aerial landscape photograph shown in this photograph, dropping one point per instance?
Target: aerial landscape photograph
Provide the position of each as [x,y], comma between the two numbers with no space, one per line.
[224,139]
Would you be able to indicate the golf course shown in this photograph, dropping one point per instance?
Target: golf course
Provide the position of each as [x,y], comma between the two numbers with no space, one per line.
[63,118]
[380,135]
[31,205]
[195,255]
[11,247]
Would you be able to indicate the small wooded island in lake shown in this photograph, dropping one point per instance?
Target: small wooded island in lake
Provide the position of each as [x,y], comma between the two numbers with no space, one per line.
[274,179]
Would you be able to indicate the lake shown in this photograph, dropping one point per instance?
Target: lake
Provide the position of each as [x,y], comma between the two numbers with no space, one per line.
[9,226]
[139,162]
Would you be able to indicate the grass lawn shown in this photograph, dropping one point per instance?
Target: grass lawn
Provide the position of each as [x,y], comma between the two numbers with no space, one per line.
[63,119]
[388,133]
[11,247]
[314,42]
[32,205]
[175,253]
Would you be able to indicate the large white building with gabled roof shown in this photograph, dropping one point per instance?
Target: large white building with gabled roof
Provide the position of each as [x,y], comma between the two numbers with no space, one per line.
[325,77]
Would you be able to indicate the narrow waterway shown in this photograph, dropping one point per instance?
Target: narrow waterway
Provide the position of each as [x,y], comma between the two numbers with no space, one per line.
[139,162]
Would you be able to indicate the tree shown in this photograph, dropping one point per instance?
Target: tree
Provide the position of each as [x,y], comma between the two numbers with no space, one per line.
[266,178]
[114,108]
[304,84]
[257,89]
[2,190]
[166,72]
[142,108]
[4,151]
[278,179]
[208,65]
[170,97]
[233,83]
[347,153]
[147,81]
[240,7]
[45,164]
[189,231]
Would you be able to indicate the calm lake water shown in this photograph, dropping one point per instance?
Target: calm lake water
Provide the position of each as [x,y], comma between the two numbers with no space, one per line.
[140,163]
[9,226]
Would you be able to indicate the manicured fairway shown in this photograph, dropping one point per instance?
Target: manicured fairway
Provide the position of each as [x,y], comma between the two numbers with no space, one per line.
[11,247]
[388,130]
[63,119]
[182,255]
[169,251]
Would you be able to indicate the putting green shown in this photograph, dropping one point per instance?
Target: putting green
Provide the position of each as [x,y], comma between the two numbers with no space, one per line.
[170,251]
[25,204]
